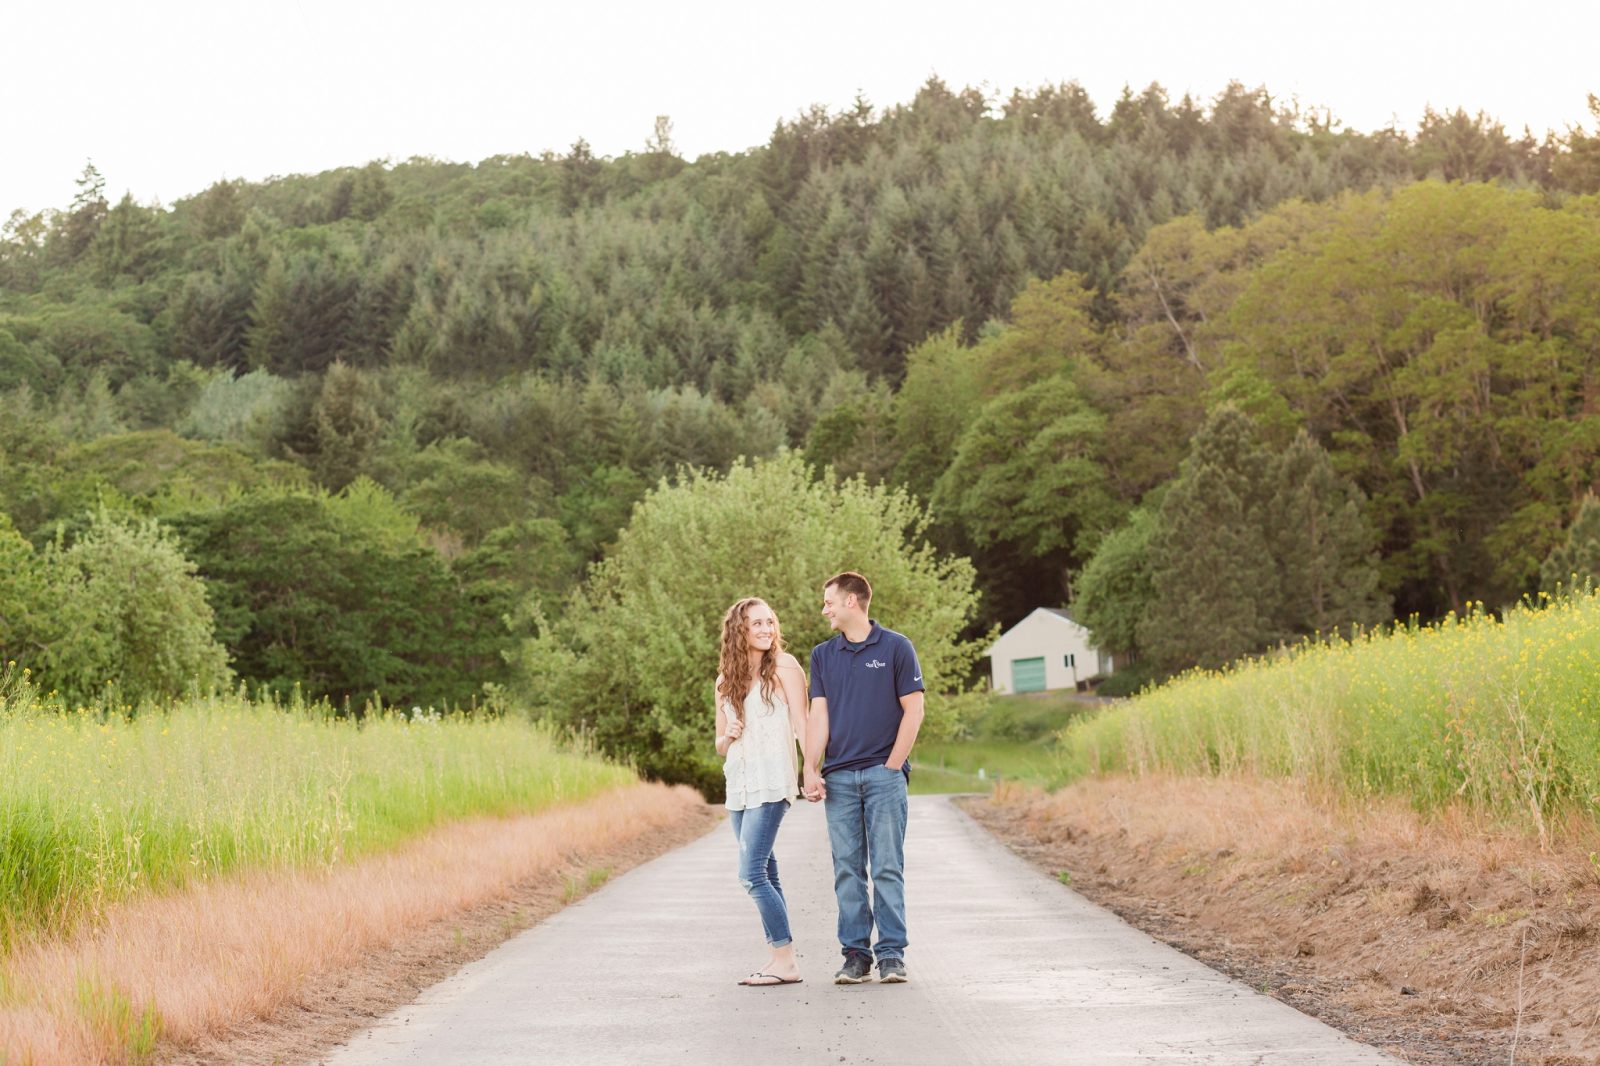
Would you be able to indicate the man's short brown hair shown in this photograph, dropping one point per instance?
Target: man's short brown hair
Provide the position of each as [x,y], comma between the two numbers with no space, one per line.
[851,583]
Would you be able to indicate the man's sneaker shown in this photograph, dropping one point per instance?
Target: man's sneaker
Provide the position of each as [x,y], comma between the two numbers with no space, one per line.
[856,969]
[891,972]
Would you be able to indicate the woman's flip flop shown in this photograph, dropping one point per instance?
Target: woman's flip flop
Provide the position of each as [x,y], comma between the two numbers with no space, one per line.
[773,979]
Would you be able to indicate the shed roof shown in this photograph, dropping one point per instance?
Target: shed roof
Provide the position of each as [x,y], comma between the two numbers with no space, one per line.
[1056,612]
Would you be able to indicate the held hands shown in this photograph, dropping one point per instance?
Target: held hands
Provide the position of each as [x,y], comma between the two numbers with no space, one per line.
[814,790]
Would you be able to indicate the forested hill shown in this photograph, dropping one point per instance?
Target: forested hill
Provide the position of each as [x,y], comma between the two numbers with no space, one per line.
[1021,312]
[889,226]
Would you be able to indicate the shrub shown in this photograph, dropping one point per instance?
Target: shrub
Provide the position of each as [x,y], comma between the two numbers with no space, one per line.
[1128,680]
[635,655]
[126,610]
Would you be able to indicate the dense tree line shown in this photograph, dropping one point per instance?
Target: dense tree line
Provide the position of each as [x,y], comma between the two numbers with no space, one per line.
[888,226]
[452,383]
[1428,357]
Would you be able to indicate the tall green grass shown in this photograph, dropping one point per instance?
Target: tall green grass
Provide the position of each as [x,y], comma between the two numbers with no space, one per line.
[1500,713]
[98,806]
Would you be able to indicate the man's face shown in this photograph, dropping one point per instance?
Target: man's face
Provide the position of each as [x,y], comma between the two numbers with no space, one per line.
[837,608]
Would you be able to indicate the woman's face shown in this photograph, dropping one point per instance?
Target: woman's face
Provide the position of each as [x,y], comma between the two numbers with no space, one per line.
[760,626]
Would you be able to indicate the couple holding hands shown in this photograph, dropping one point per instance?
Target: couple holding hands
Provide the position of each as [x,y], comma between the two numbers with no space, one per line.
[865,709]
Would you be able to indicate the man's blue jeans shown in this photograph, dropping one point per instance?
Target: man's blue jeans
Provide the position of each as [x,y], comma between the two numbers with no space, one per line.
[867,829]
[757,830]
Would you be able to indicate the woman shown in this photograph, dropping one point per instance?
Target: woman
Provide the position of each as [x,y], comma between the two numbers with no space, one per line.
[761,715]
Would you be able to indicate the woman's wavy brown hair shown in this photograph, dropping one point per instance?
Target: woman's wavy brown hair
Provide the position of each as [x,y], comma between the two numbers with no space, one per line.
[734,665]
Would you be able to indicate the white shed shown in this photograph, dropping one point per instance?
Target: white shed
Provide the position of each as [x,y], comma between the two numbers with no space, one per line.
[1046,650]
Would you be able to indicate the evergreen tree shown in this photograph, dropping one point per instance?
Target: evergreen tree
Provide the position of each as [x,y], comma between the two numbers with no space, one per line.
[124,245]
[345,426]
[220,210]
[89,412]
[856,436]
[78,227]
[210,317]
[302,315]
[1578,168]
[660,153]
[1461,147]
[1323,545]
[1114,590]
[339,201]
[370,195]
[1211,567]
[580,177]
[861,318]
[384,299]
[1577,559]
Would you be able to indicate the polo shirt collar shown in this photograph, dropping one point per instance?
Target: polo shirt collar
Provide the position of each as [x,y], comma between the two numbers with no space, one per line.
[872,637]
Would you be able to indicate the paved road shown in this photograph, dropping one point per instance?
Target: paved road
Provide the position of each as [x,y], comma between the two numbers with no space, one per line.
[1006,965]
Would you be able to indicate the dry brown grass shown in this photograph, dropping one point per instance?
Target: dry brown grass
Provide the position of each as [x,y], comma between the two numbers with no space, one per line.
[1413,931]
[175,971]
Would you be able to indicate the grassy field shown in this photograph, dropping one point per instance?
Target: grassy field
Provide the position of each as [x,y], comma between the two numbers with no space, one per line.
[1502,714]
[1013,739]
[975,766]
[98,807]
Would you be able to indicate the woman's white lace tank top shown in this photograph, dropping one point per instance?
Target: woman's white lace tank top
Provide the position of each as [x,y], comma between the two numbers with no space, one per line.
[761,765]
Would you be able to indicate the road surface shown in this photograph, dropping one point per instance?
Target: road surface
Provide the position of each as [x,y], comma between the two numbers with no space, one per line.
[1006,965]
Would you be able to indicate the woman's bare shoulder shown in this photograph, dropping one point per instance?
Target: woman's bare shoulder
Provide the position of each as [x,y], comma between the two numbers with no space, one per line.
[787,662]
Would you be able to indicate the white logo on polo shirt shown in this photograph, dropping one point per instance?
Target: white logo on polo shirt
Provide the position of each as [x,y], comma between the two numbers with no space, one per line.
[876,664]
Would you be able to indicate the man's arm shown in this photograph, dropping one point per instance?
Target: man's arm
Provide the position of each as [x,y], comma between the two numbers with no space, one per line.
[816,747]
[911,712]
[908,684]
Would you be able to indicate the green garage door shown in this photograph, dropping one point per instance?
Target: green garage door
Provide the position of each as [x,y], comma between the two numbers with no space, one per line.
[1027,675]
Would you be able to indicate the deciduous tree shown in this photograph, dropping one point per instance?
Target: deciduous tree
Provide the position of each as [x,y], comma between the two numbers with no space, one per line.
[632,661]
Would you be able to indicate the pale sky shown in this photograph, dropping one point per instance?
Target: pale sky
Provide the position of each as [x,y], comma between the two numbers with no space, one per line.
[167,96]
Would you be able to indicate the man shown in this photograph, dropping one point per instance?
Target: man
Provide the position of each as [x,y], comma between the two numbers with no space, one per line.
[866,708]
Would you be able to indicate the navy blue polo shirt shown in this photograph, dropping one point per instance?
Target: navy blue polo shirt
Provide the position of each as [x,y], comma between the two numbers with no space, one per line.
[863,684]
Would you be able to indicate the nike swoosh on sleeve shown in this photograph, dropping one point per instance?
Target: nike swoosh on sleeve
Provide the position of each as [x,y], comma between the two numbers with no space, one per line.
[917,678]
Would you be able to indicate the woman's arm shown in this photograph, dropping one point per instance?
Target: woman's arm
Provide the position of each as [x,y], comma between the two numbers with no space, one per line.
[792,680]
[728,728]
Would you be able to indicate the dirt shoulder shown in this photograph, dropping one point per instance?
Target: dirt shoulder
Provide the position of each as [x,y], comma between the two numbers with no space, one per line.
[1440,941]
[333,1006]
